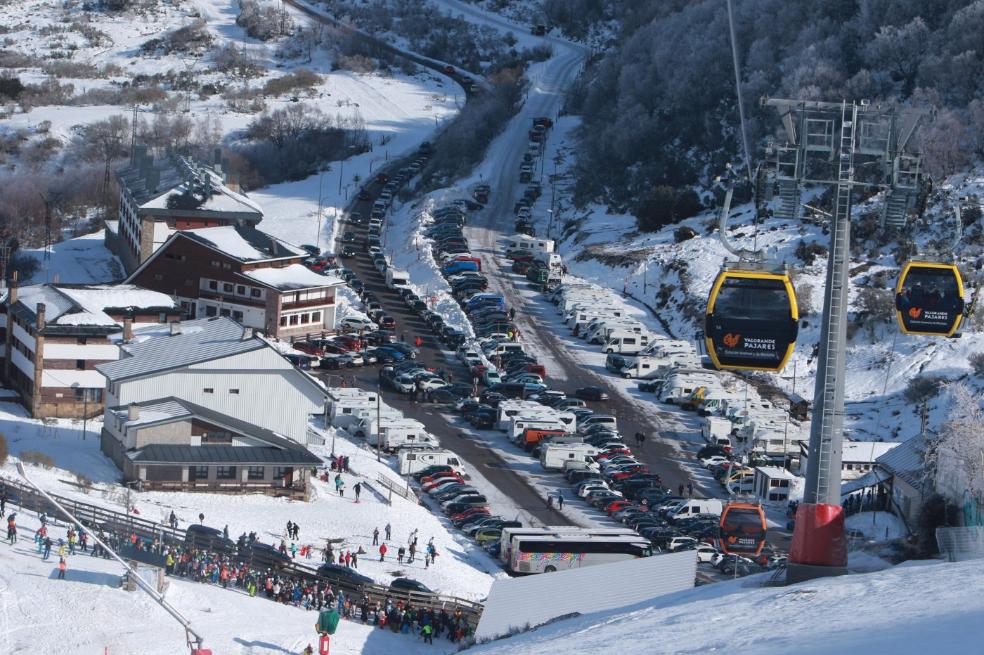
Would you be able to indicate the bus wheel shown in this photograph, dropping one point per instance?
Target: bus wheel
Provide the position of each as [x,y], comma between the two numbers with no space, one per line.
[550,569]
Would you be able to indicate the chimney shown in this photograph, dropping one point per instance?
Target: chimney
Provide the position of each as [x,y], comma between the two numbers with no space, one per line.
[39,321]
[232,182]
[175,328]
[12,291]
[132,412]
[127,329]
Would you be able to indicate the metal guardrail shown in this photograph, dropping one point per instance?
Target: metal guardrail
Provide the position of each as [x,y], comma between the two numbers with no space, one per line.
[401,490]
[120,524]
[961,543]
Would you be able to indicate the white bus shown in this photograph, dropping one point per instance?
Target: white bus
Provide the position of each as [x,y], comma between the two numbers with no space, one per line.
[559,552]
[510,535]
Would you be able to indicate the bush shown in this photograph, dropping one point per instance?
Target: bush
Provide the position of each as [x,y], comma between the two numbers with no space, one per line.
[11,87]
[665,205]
[302,78]
[263,22]
[977,363]
[232,59]
[808,252]
[683,233]
[922,388]
[37,458]
[193,36]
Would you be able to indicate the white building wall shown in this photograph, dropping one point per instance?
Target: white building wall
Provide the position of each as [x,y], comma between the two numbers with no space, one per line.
[21,335]
[271,393]
[71,378]
[23,363]
[78,351]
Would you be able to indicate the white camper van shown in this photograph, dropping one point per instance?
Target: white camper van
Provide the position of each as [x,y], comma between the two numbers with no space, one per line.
[555,457]
[412,460]
[397,279]
[681,382]
[692,507]
[625,343]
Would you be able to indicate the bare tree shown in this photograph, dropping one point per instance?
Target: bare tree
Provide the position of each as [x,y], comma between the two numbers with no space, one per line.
[957,455]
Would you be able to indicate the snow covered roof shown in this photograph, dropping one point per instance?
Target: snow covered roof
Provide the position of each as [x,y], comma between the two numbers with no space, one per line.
[775,472]
[865,452]
[244,243]
[295,276]
[199,341]
[70,305]
[151,182]
[908,461]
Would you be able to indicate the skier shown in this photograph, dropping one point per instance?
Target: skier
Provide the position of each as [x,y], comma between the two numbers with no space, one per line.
[382,552]
[3,503]
[375,536]
[400,553]
[47,548]
[62,565]
[387,529]
[225,531]
[12,528]
[173,520]
[690,489]
[339,485]
[358,490]
[411,551]
[560,500]
[290,529]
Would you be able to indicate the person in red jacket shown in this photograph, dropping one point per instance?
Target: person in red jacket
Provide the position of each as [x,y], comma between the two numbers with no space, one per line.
[382,552]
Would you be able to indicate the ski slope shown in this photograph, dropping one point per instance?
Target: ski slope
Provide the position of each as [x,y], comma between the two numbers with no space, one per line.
[915,608]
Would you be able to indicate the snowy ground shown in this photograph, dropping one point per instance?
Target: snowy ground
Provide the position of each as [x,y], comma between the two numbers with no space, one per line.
[89,613]
[915,608]
[462,569]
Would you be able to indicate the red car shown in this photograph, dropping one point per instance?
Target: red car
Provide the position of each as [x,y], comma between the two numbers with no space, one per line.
[316,348]
[427,486]
[616,505]
[470,512]
[348,342]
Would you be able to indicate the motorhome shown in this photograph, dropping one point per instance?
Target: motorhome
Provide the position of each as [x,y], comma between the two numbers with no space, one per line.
[601,332]
[681,382]
[584,315]
[509,408]
[625,343]
[533,436]
[548,419]
[397,279]
[555,456]
[412,460]
[648,368]
[343,404]
[713,428]
[348,414]
[391,433]
[522,245]
[551,259]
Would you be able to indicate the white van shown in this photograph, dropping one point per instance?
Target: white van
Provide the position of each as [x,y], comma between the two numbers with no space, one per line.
[602,332]
[555,457]
[412,460]
[682,382]
[713,428]
[695,507]
[521,244]
[397,279]
[625,343]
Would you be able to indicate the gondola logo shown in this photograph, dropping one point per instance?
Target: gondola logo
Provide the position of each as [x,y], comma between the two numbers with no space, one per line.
[732,340]
[915,312]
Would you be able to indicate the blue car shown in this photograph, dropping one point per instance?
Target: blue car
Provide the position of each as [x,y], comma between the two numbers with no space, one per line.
[389,354]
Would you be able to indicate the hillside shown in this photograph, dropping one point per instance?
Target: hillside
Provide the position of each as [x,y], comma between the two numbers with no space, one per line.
[916,608]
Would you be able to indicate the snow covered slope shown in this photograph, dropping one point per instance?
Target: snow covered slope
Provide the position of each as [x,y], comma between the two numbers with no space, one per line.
[919,608]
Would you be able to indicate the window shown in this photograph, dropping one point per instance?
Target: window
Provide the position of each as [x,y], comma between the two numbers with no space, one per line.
[79,364]
[281,471]
[199,472]
[162,317]
[210,310]
[241,290]
[283,321]
[293,319]
[226,312]
[215,263]
[315,317]
[237,315]
[158,276]
[189,282]
[255,473]
[227,266]
[208,390]
[79,393]
[225,472]
[213,285]
[255,293]
[305,318]
[234,392]
[227,287]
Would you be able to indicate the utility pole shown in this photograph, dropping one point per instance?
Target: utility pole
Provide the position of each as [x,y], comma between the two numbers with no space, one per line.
[827,144]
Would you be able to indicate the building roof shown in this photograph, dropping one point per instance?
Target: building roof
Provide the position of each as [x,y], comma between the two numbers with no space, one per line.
[216,454]
[908,461]
[295,276]
[865,452]
[69,306]
[247,244]
[201,340]
[151,182]
[776,472]
[277,449]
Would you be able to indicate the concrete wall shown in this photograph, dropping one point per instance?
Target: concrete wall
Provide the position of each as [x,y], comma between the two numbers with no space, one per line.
[514,603]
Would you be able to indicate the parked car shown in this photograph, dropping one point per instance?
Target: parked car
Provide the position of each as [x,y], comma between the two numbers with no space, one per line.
[409,584]
[591,393]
